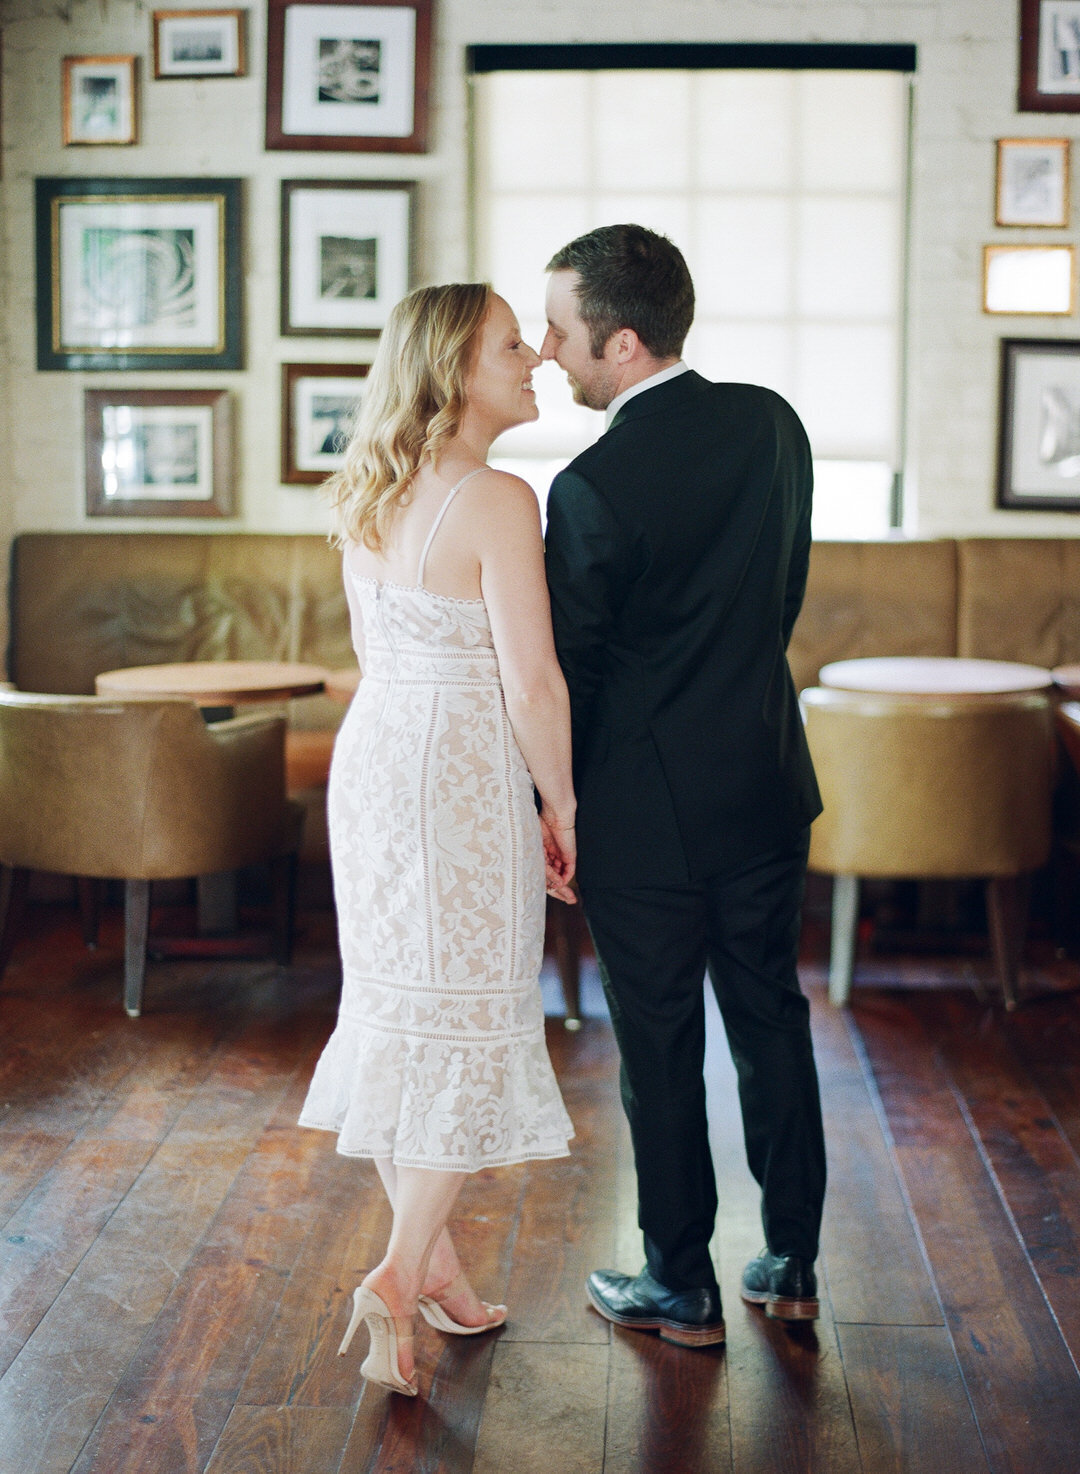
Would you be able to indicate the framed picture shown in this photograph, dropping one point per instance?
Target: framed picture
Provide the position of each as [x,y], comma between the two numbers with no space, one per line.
[1033,181]
[341,74]
[198,43]
[98,99]
[1049,56]
[318,404]
[139,273]
[346,254]
[158,453]
[1039,431]
[1034,281]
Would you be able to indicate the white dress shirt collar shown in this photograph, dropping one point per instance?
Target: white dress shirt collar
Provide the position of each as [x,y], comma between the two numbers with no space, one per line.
[672,372]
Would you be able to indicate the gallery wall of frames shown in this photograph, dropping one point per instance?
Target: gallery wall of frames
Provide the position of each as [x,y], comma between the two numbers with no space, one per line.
[207,212]
[147,273]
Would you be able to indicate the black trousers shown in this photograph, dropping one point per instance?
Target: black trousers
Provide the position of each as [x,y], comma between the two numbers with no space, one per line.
[653,946]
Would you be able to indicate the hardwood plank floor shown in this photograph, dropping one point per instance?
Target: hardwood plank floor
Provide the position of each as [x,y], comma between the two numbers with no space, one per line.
[176,1256]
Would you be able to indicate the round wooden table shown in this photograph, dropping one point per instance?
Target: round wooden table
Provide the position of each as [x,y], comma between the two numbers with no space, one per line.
[215,683]
[1067,679]
[930,675]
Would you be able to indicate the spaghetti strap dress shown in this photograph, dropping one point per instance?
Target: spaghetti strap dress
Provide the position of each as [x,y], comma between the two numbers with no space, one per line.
[438,1057]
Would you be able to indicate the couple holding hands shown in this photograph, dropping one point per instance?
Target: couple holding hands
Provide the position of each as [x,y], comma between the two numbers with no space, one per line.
[624,714]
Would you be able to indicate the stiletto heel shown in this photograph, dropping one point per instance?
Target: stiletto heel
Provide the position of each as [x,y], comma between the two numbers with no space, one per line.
[436,1315]
[381,1363]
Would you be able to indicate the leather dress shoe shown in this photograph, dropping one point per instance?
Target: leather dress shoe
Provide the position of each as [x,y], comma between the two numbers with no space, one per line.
[686,1317]
[784,1284]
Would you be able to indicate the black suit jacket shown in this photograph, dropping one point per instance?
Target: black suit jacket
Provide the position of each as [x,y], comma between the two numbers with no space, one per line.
[677,551]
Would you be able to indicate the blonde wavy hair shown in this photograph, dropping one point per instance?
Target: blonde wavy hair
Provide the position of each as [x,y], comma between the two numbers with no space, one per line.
[413,405]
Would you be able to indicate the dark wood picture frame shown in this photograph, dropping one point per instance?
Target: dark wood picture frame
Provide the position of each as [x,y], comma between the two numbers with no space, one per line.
[222,347]
[390,284]
[217,460]
[293,471]
[1020,426]
[280,135]
[163,72]
[1033,97]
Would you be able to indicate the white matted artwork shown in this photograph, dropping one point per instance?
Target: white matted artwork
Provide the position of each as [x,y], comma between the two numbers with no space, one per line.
[140,275]
[1033,181]
[346,251]
[349,71]
[198,43]
[158,453]
[1059,47]
[319,405]
[1039,463]
[98,99]
[1034,281]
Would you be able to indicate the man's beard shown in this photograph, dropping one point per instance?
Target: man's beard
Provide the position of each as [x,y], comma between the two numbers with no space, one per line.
[596,397]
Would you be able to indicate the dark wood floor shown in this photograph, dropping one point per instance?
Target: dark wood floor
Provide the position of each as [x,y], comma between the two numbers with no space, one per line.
[175,1255]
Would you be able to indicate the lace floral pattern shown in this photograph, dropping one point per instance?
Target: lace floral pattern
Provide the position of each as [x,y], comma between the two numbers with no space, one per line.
[438,1058]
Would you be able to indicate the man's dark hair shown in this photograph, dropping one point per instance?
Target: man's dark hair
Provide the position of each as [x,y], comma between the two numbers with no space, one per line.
[630,278]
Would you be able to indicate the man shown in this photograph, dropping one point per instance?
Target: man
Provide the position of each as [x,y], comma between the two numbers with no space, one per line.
[677,551]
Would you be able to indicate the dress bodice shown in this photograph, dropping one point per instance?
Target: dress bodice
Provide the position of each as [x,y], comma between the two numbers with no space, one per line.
[411,633]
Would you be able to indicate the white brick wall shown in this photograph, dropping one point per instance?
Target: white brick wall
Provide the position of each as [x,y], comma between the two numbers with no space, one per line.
[965,99]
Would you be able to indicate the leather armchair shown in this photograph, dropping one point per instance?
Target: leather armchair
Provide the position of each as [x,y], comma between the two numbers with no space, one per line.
[140,791]
[918,787]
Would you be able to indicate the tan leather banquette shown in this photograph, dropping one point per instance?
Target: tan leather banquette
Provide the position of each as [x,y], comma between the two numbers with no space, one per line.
[84,602]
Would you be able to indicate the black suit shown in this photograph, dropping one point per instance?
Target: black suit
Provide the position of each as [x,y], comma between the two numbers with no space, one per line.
[677,552]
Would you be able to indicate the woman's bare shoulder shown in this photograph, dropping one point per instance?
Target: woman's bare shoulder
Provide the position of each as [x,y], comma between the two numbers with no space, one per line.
[495,489]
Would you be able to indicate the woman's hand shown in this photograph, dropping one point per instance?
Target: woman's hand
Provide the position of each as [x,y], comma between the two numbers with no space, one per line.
[560,857]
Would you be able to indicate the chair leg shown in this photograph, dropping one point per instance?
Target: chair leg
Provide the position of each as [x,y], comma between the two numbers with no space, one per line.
[1007,914]
[566,931]
[89,893]
[136,930]
[14,885]
[845,921]
[283,901]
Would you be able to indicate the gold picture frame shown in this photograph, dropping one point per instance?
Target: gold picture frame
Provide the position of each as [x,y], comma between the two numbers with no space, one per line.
[98,100]
[1032,182]
[1029,281]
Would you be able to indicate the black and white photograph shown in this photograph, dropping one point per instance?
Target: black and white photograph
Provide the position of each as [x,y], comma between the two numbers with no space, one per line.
[1049,56]
[1033,181]
[138,273]
[319,404]
[348,75]
[1028,281]
[98,100]
[349,71]
[153,452]
[346,252]
[199,43]
[348,267]
[1059,46]
[1039,459]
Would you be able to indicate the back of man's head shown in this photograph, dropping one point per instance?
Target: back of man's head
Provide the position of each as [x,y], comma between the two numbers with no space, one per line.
[630,278]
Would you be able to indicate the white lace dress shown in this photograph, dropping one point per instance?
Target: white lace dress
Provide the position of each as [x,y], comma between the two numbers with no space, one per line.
[438,1058]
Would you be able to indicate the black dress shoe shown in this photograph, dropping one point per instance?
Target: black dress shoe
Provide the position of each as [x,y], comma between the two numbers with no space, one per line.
[784,1284]
[686,1317]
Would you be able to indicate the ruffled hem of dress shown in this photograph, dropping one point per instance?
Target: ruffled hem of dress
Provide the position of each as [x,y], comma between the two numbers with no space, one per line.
[441,1165]
[432,1103]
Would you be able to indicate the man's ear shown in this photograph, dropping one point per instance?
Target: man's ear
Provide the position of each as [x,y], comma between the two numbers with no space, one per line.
[624,345]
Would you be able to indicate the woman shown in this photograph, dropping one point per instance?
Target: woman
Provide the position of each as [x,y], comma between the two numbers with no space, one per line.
[438,1064]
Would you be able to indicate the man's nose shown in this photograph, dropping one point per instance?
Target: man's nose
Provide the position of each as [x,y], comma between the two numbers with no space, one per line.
[547,347]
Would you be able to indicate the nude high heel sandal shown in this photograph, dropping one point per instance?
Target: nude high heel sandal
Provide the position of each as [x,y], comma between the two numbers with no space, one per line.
[435,1315]
[381,1363]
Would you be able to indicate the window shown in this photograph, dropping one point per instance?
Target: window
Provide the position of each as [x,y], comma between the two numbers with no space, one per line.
[786,190]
